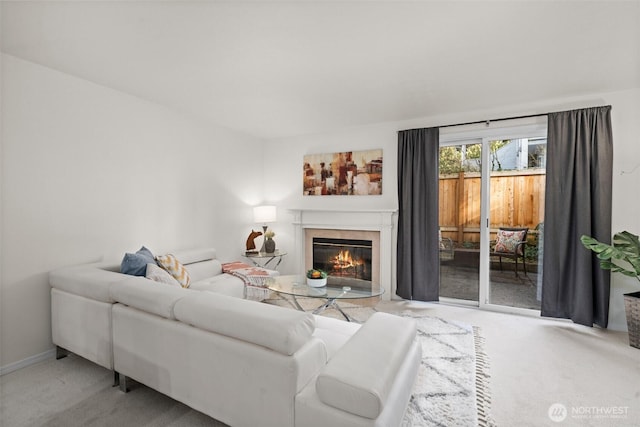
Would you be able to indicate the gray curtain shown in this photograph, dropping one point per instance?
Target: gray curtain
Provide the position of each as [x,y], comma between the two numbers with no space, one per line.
[418,265]
[577,202]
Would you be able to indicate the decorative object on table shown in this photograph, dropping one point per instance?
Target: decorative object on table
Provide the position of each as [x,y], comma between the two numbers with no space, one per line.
[316,278]
[264,214]
[251,246]
[344,173]
[269,243]
[625,249]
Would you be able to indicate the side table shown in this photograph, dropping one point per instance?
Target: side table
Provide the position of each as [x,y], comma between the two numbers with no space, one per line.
[263,259]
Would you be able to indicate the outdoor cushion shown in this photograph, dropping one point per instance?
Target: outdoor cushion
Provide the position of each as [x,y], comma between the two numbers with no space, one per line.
[507,241]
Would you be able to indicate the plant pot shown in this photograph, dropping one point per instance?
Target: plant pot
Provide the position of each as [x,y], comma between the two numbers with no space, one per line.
[632,309]
[317,283]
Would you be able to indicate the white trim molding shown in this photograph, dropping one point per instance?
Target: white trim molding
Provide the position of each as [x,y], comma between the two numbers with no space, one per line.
[36,358]
[380,220]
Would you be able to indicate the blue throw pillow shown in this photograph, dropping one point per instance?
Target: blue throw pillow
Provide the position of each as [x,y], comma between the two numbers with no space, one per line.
[136,264]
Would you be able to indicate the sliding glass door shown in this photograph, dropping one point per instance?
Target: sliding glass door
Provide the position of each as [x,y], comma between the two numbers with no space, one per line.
[491,207]
[459,220]
[516,200]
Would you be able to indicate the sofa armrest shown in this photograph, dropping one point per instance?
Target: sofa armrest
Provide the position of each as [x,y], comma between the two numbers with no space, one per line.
[359,377]
[90,280]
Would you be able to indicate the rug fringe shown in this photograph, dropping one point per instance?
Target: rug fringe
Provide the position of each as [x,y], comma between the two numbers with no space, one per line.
[483,393]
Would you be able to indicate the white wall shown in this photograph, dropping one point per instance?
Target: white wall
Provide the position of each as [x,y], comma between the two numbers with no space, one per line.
[89,173]
[284,160]
[283,175]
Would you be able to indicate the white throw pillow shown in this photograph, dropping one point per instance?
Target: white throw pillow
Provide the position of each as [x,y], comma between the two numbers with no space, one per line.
[160,275]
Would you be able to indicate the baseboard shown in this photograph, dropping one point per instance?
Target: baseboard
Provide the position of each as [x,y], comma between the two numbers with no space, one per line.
[49,354]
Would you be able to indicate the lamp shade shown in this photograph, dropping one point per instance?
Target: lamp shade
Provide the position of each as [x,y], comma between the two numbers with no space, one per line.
[264,214]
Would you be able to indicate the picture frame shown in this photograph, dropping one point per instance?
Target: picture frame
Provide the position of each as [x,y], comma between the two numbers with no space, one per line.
[345,173]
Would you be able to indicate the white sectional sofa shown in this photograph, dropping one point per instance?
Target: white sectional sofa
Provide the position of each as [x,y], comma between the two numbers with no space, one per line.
[242,362]
[81,305]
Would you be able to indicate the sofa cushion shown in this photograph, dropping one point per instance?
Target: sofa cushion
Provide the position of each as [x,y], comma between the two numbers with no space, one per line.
[174,267]
[277,328]
[334,333]
[203,269]
[145,295]
[195,255]
[136,264]
[222,283]
[159,274]
[359,377]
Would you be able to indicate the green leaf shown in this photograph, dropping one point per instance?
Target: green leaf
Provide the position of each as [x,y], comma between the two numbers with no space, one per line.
[606,253]
[606,265]
[625,248]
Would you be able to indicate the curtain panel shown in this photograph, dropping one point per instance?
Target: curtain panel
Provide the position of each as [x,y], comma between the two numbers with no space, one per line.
[577,202]
[418,264]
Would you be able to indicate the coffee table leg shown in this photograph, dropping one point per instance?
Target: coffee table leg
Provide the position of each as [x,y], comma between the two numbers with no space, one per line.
[331,302]
[335,305]
[323,307]
[295,301]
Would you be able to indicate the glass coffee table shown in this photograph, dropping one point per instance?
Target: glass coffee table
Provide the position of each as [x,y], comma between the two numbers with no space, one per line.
[336,289]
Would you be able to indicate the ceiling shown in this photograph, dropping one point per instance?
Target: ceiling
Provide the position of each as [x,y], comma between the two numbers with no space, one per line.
[277,69]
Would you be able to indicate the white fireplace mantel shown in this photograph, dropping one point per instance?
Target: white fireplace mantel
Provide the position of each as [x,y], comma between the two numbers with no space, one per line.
[380,220]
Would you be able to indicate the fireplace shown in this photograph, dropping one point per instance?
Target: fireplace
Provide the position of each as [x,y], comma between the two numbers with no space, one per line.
[344,258]
[374,224]
[350,257]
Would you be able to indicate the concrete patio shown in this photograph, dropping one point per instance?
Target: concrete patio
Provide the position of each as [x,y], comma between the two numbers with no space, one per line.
[459,280]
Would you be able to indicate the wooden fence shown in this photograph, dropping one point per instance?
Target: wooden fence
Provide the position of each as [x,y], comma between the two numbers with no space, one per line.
[517,200]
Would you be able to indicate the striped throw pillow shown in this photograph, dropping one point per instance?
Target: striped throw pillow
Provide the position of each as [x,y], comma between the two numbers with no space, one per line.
[175,268]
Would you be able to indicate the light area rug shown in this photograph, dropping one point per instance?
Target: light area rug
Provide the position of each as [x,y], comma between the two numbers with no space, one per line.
[452,386]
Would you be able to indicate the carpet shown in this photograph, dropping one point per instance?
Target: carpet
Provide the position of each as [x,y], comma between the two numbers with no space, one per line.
[452,387]
[75,392]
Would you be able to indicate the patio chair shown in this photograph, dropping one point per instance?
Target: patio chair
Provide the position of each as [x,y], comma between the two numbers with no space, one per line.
[446,248]
[511,243]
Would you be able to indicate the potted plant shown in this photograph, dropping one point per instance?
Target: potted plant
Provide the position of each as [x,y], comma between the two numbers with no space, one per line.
[623,256]
[316,278]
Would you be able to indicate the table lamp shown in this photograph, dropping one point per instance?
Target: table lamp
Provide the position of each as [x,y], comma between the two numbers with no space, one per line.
[264,214]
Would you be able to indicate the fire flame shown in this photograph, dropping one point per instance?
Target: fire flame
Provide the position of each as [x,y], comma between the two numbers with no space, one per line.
[344,260]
